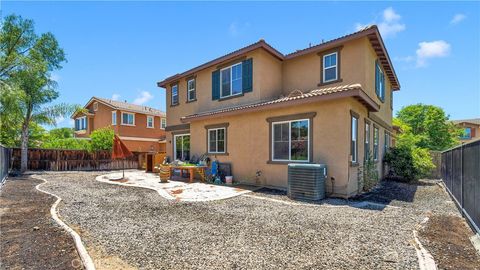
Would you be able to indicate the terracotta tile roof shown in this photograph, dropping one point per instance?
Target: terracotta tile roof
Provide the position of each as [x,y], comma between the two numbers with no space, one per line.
[475,121]
[326,43]
[370,31]
[120,105]
[259,44]
[355,90]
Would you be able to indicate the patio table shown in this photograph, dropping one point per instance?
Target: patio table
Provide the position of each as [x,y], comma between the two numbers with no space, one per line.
[191,170]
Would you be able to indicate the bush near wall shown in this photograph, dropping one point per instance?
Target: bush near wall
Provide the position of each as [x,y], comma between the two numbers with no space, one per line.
[408,163]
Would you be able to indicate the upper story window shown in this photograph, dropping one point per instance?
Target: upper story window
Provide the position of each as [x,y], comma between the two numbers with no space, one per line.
[163,123]
[330,67]
[231,80]
[191,93]
[128,119]
[290,140]
[354,139]
[95,106]
[114,118]
[379,82]
[150,121]
[467,133]
[174,94]
[81,123]
[216,140]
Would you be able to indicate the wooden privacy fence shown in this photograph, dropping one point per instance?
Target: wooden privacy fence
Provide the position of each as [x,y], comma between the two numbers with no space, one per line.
[72,160]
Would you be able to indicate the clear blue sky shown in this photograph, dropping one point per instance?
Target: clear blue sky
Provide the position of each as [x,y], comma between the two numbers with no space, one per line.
[122,49]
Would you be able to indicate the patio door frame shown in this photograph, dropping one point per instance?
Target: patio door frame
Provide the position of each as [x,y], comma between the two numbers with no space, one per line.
[175,144]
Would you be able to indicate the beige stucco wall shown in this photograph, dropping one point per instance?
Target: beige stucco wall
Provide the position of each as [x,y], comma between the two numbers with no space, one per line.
[267,73]
[248,133]
[248,143]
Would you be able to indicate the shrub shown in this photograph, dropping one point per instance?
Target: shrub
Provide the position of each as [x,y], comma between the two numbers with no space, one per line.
[368,174]
[101,139]
[408,163]
[67,143]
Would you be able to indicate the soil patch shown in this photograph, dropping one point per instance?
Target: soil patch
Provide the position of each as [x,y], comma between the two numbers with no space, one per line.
[447,239]
[29,237]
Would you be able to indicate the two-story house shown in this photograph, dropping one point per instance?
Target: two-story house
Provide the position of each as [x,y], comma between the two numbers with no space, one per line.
[470,127]
[260,110]
[141,128]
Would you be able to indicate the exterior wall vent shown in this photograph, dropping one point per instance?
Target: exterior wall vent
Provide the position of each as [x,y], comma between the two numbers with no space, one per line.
[307,181]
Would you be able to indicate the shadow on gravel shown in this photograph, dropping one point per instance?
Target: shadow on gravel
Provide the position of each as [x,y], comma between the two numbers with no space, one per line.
[371,201]
[388,191]
[376,199]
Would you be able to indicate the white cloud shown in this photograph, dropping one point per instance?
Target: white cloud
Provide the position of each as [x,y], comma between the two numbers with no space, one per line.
[432,49]
[235,29]
[390,24]
[144,97]
[458,18]
[115,97]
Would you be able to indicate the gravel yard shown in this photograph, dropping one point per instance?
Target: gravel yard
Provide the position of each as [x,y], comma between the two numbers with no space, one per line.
[129,227]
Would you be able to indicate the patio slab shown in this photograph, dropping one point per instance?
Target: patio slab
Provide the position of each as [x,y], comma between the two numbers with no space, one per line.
[176,190]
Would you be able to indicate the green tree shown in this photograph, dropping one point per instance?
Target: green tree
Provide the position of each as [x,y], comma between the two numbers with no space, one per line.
[101,139]
[26,63]
[430,126]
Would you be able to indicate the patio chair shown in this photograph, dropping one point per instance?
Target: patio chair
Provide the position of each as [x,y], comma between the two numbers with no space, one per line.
[164,173]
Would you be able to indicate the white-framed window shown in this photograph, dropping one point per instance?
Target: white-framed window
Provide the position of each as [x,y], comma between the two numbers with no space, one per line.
[128,119]
[367,140]
[354,141]
[175,94]
[330,70]
[163,123]
[379,81]
[114,118]
[150,121]
[191,93]
[181,146]
[386,144]
[95,106]
[291,140]
[81,123]
[216,140]
[375,143]
[231,80]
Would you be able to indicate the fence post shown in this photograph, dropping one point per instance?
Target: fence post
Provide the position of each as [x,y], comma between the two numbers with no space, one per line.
[461,177]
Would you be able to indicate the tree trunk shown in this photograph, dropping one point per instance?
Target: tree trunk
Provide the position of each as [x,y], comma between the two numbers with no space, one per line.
[24,149]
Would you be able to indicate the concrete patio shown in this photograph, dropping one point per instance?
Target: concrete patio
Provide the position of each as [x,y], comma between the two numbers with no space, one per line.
[176,190]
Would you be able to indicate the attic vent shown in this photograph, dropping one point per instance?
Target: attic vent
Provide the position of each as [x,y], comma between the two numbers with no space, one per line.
[307,181]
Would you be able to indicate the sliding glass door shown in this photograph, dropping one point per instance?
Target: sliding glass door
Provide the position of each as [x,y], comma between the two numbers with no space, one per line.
[182,147]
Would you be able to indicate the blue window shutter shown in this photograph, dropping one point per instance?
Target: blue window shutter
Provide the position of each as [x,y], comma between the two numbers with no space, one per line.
[216,85]
[247,75]
[383,87]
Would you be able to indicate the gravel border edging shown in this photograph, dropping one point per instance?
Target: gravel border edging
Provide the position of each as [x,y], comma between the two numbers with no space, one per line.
[82,251]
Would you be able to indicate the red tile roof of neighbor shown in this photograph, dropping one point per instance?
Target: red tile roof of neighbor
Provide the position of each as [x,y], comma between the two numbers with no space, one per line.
[370,31]
[295,97]
[124,106]
[475,121]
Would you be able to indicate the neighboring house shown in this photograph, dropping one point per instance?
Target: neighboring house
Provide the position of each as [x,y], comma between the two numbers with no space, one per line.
[471,129]
[260,110]
[141,128]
